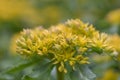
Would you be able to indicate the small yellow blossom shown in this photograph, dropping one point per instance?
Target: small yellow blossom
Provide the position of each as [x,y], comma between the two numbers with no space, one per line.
[100,43]
[28,43]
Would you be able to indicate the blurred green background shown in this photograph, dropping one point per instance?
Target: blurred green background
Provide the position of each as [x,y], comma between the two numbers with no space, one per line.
[16,15]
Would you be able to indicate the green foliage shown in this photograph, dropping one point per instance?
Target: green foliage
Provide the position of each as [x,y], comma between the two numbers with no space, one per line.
[20,67]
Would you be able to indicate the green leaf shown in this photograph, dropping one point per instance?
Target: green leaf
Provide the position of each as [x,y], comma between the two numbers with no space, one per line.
[85,73]
[20,67]
[44,71]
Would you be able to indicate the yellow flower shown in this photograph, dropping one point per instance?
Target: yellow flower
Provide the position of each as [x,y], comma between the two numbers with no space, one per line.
[63,44]
[114,16]
[28,43]
[100,43]
[80,28]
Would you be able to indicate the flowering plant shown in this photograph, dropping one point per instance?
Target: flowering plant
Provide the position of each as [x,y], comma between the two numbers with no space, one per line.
[64,49]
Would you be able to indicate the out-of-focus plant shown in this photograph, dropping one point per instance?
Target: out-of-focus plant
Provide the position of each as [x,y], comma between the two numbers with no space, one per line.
[14,9]
[24,12]
[114,19]
[110,75]
[64,47]
[110,67]
[114,41]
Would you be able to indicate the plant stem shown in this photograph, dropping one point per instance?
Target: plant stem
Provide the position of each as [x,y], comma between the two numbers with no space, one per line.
[60,75]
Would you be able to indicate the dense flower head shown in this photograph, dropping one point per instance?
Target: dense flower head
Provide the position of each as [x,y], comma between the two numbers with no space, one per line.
[69,43]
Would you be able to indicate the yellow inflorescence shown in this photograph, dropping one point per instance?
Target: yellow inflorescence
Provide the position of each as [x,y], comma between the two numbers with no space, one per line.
[68,43]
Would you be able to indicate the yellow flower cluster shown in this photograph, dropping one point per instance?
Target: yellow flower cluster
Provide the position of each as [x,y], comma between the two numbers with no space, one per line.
[68,43]
[114,16]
